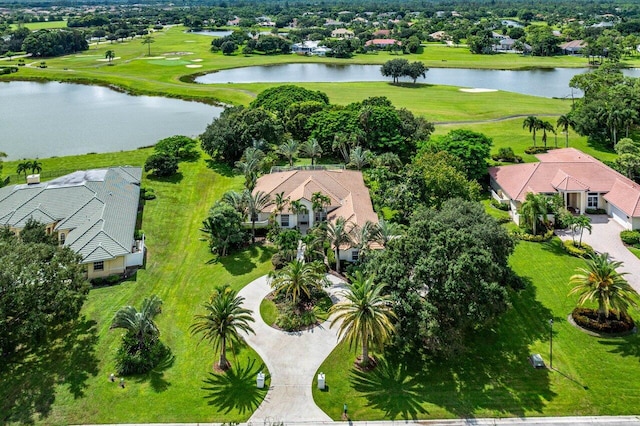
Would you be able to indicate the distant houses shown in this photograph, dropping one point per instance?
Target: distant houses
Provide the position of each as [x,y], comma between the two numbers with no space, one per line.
[342,33]
[382,43]
[573,47]
[311,48]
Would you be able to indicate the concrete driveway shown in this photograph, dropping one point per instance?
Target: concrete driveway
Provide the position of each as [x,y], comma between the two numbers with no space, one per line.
[605,238]
[292,359]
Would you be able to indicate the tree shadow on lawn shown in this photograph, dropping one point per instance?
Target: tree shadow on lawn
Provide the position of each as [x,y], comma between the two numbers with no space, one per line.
[220,168]
[494,374]
[235,388]
[241,262]
[626,346]
[174,178]
[28,380]
[554,246]
[155,377]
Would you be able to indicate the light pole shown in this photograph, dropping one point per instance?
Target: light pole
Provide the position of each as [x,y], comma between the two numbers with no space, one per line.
[551,343]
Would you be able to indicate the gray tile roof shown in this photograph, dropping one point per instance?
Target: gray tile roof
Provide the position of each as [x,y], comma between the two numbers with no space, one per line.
[97,207]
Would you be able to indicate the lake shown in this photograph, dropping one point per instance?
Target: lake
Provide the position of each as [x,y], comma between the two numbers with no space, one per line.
[56,119]
[538,82]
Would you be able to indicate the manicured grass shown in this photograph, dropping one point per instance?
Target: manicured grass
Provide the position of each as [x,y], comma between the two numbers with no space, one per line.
[268,311]
[71,386]
[635,251]
[509,133]
[591,376]
[34,26]
[136,72]
[500,215]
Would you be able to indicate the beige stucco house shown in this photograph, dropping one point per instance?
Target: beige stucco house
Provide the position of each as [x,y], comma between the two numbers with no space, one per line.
[93,212]
[581,180]
[348,195]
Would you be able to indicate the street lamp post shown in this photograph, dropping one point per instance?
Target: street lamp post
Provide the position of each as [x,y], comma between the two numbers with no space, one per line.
[551,343]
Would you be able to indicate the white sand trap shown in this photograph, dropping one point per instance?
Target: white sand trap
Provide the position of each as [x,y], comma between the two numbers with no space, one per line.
[152,57]
[106,60]
[478,90]
[172,59]
[189,41]
[193,66]
[196,60]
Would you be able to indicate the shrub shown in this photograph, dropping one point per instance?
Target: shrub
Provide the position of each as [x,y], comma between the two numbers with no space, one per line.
[588,318]
[500,206]
[630,237]
[147,194]
[278,260]
[161,165]
[8,70]
[506,155]
[578,251]
[595,211]
[131,360]
[538,149]
[520,234]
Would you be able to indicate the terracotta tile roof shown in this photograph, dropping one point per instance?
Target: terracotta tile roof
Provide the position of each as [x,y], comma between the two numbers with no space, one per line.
[346,189]
[568,169]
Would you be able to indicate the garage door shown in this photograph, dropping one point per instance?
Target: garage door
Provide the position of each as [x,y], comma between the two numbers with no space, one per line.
[619,216]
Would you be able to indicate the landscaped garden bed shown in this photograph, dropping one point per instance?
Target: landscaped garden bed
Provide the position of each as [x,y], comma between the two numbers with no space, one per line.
[589,319]
[279,312]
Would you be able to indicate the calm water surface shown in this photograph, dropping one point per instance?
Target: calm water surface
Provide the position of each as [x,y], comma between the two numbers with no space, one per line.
[541,82]
[56,119]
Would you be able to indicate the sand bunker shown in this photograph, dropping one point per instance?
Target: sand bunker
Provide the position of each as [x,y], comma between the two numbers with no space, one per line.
[196,60]
[193,66]
[106,60]
[478,90]
[173,59]
[152,57]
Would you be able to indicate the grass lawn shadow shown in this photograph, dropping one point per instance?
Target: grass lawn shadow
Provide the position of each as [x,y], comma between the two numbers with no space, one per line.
[553,246]
[220,168]
[174,178]
[68,359]
[242,262]
[155,377]
[627,346]
[236,388]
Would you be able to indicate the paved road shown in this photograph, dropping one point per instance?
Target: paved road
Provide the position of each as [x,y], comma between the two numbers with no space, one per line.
[605,238]
[292,359]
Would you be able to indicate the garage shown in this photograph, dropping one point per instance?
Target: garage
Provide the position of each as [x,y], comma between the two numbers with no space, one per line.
[619,216]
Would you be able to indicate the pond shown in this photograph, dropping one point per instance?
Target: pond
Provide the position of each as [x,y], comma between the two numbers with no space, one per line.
[548,83]
[56,119]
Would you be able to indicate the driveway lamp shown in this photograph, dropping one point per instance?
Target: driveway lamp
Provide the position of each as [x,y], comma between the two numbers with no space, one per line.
[551,343]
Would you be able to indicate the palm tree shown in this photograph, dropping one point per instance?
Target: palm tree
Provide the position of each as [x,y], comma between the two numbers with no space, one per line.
[280,201]
[289,150]
[564,122]
[339,233]
[237,200]
[388,231]
[311,149]
[249,166]
[35,166]
[223,322]
[534,206]
[319,203]
[578,225]
[359,158]
[148,40]
[366,315]
[545,126]
[140,325]
[601,282]
[298,208]
[110,55]
[363,235]
[23,167]
[255,203]
[297,279]
[533,124]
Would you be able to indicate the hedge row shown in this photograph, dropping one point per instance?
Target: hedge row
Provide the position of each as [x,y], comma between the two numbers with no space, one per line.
[578,251]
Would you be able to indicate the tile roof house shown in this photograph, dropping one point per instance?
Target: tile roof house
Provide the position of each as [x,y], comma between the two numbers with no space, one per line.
[573,47]
[342,33]
[348,195]
[581,180]
[382,42]
[93,212]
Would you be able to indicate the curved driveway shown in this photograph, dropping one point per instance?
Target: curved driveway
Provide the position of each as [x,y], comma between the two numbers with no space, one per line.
[292,359]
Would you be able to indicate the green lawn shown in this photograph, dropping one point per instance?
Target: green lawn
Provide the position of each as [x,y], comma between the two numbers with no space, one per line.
[68,383]
[34,26]
[509,133]
[134,71]
[591,376]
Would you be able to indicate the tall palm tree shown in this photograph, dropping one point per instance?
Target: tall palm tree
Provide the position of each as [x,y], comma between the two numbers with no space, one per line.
[225,318]
[534,207]
[23,167]
[363,235]
[600,281]
[359,158]
[312,149]
[140,324]
[578,225]
[545,126]
[319,204]
[298,208]
[564,122]
[339,233]
[533,124]
[249,166]
[280,202]
[148,40]
[255,202]
[110,55]
[289,150]
[366,315]
[297,279]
